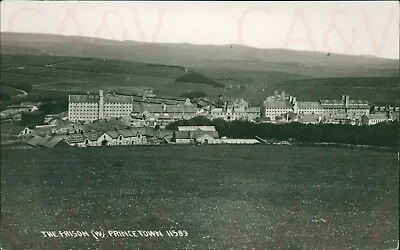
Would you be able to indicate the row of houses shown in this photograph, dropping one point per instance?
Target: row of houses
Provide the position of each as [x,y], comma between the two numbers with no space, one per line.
[370,119]
[280,105]
[196,135]
[162,111]
[128,137]
[159,111]
[285,108]
[122,137]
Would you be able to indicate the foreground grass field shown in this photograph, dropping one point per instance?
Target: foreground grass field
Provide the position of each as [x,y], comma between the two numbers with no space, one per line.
[226,197]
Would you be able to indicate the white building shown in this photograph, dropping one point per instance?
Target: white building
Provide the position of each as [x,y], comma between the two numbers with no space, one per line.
[276,106]
[88,108]
[238,110]
[123,137]
[280,105]
[353,108]
[163,114]
[373,119]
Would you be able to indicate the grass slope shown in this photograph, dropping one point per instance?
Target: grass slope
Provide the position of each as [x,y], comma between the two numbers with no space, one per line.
[249,78]
[35,73]
[232,57]
[257,197]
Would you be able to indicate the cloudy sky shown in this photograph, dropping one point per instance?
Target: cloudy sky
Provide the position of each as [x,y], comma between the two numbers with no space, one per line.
[368,28]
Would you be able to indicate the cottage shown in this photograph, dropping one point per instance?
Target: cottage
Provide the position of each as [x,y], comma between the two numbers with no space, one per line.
[205,138]
[13,130]
[194,128]
[309,119]
[182,137]
[373,119]
[195,134]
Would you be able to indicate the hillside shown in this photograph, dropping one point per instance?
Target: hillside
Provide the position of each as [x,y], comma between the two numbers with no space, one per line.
[207,57]
[58,65]
[38,73]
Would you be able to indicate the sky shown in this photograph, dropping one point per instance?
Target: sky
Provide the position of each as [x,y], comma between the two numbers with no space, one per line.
[358,28]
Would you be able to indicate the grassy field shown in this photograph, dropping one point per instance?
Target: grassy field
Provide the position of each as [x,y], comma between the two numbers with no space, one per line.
[373,89]
[226,197]
[41,73]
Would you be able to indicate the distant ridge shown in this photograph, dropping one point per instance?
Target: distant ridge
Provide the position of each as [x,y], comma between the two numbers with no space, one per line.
[231,57]
[42,37]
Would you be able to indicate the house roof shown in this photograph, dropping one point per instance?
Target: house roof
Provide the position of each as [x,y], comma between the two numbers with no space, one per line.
[340,116]
[59,122]
[11,129]
[254,109]
[195,134]
[204,103]
[147,131]
[193,128]
[84,98]
[62,115]
[108,98]
[278,104]
[127,132]
[308,118]
[106,125]
[377,116]
[199,133]
[38,140]
[76,138]
[93,136]
[204,135]
[340,104]
[52,142]
[182,135]
[131,132]
[44,130]
[309,105]
[164,133]
[240,103]
[160,108]
[112,98]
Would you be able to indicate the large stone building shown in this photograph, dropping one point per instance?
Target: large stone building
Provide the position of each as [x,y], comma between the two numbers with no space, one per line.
[90,107]
[237,110]
[280,105]
[276,106]
[353,108]
[163,114]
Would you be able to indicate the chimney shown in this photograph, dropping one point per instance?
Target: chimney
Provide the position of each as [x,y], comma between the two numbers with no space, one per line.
[101,104]
[342,97]
[346,101]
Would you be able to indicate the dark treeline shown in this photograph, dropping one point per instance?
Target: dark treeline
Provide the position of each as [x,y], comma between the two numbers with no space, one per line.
[383,134]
